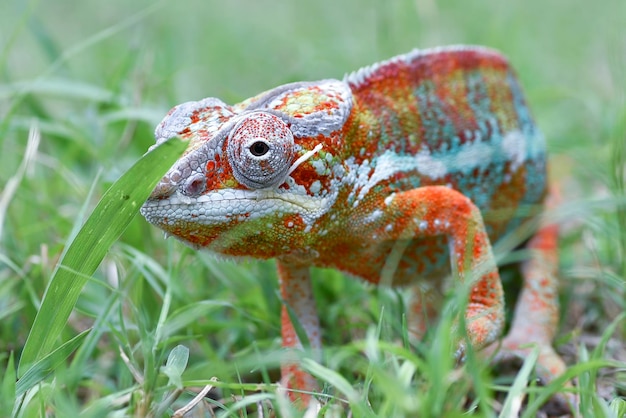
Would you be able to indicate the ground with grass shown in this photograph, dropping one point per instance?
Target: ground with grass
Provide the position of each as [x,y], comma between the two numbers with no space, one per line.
[82,86]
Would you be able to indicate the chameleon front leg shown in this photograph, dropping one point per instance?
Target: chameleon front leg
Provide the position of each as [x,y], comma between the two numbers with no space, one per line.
[439,210]
[297,295]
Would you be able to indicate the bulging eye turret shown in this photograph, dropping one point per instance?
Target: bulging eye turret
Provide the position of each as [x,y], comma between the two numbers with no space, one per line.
[261,150]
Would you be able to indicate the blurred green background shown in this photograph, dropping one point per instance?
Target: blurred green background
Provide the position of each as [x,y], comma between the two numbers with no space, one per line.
[144,57]
[96,77]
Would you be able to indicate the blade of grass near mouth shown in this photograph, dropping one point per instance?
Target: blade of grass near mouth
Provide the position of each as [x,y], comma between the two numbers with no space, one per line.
[114,212]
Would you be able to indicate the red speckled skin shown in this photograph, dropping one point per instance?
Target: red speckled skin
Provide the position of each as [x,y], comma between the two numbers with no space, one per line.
[392,175]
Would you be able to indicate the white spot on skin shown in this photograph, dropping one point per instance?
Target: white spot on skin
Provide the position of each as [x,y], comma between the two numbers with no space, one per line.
[389,199]
[296,187]
[423,225]
[357,175]
[319,166]
[388,164]
[472,155]
[514,146]
[372,217]
[389,228]
[428,165]
[316,186]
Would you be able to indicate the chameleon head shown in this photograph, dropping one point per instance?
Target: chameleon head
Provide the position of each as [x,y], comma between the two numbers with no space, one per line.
[236,190]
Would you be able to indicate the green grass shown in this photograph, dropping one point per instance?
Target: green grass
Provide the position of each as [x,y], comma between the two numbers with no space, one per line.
[88,82]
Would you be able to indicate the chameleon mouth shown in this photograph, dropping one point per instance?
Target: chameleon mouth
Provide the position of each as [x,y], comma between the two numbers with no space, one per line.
[218,207]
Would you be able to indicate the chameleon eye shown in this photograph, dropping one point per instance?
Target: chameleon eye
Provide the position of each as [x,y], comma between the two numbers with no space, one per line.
[260,150]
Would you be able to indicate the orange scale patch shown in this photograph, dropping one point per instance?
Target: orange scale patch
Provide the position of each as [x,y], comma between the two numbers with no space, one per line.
[305,175]
[293,221]
[514,190]
[328,105]
[194,118]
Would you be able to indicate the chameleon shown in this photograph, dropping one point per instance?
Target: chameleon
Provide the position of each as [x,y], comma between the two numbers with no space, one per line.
[403,173]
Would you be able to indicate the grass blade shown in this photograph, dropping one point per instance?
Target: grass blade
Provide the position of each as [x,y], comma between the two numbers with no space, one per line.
[109,219]
[516,394]
[46,365]
[7,394]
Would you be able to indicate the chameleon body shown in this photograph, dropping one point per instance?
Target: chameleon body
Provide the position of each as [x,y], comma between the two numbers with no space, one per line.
[386,175]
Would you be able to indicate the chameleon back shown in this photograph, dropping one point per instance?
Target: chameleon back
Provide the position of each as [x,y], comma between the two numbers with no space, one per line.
[454,117]
[451,116]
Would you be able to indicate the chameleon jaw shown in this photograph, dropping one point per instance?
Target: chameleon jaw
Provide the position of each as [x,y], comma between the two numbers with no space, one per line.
[242,223]
[224,206]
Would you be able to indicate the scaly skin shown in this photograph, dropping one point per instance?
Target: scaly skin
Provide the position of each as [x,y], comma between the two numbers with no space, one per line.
[383,175]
